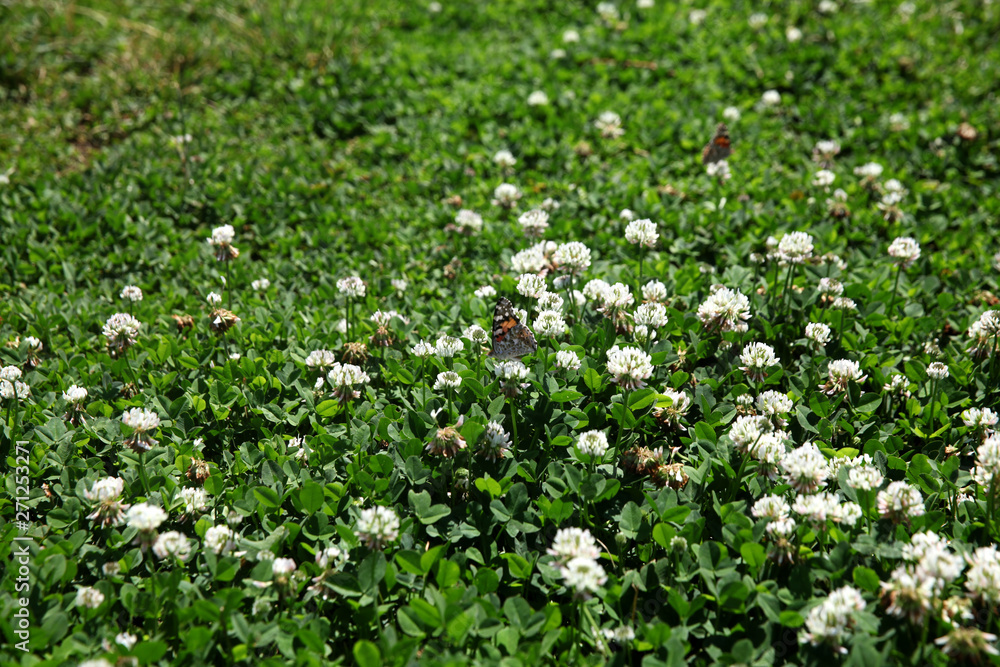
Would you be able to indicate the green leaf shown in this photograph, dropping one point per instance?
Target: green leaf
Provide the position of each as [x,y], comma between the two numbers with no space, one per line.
[267,496]
[371,572]
[311,496]
[754,555]
[518,566]
[631,519]
[663,533]
[149,652]
[565,396]
[791,619]
[593,381]
[328,408]
[866,579]
[366,654]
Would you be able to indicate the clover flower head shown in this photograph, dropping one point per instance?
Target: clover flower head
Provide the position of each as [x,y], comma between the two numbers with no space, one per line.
[351,286]
[468,222]
[630,367]
[642,233]
[725,310]
[593,443]
[905,250]
[377,526]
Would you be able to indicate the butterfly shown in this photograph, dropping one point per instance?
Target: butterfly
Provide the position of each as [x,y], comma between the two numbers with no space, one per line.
[719,148]
[511,338]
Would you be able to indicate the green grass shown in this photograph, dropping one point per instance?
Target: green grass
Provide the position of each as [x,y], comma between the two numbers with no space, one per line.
[336,139]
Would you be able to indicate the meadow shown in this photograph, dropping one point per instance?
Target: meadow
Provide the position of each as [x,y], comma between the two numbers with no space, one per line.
[529,332]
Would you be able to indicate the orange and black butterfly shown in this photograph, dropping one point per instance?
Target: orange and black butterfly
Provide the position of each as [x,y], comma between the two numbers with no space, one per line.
[719,148]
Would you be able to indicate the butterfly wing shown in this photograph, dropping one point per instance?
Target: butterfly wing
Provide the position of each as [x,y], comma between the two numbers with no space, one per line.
[719,148]
[511,338]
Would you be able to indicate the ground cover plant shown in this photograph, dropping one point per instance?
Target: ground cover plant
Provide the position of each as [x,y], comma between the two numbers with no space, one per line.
[740,408]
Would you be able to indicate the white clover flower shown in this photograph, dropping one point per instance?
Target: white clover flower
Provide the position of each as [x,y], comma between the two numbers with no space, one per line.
[771,507]
[864,478]
[468,221]
[725,310]
[608,11]
[830,287]
[747,429]
[131,293]
[377,526]
[627,215]
[106,495]
[87,596]
[816,508]
[617,296]
[757,358]
[399,284]
[529,260]
[572,257]
[195,499]
[771,403]
[642,232]
[331,558]
[977,418]
[769,450]
[651,314]
[697,16]
[905,251]
[213,299]
[983,578]
[103,490]
[486,292]
[844,303]
[839,373]
[320,359]
[680,403]
[383,318]
[757,20]
[126,640]
[343,378]
[476,334]
[447,380]
[506,195]
[142,422]
[623,633]
[567,360]
[298,450]
[570,543]
[352,286]
[831,623]
[76,395]
[145,517]
[897,384]
[220,540]
[10,373]
[449,346]
[654,291]
[282,567]
[592,443]
[172,544]
[584,575]
[937,371]
[629,366]
[504,158]
[534,223]
[557,54]
[570,36]
[771,98]
[871,170]
[538,98]
[121,330]
[222,238]
[795,248]
[793,34]
[824,178]
[732,114]
[596,290]
[898,122]
[550,324]
[609,124]
[984,333]
[550,301]
[494,442]
[805,468]
[899,502]
[720,170]
[531,285]
[260,285]
[818,332]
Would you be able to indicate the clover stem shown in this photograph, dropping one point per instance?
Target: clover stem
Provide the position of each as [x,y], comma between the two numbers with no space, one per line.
[895,286]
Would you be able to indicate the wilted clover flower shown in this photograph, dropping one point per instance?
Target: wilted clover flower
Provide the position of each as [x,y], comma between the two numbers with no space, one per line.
[968,645]
[220,540]
[567,359]
[905,251]
[447,441]
[377,526]
[506,195]
[839,373]
[937,371]
[352,286]
[592,443]
[757,358]
[343,377]
[609,124]
[725,310]
[87,596]
[510,373]
[131,293]
[899,502]
[172,545]
[629,366]
[795,248]
[654,291]
[531,285]
[805,468]
[468,222]
[106,494]
[672,414]
[818,333]
[447,380]
[121,330]
[494,442]
[642,232]
[222,320]
[449,346]
[142,422]
[832,622]
[572,257]
[534,223]
[222,239]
